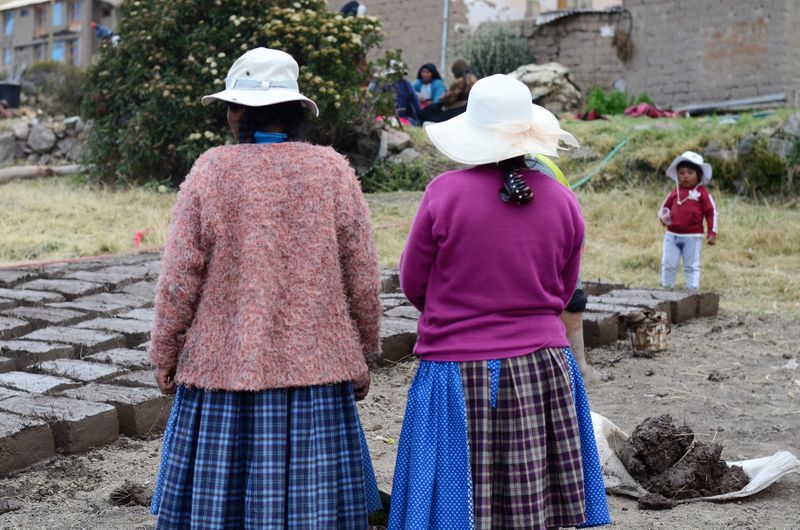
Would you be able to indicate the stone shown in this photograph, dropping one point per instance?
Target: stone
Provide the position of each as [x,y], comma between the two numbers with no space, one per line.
[792,127]
[47,316]
[707,304]
[397,141]
[5,303]
[78,151]
[23,442]
[30,297]
[398,336]
[747,143]
[134,331]
[8,148]
[404,311]
[41,138]
[77,425]
[600,329]
[72,122]
[6,393]
[35,383]
[550,86]
[406,156]
[69,288]
[390,281]
[28,352]
[11,328]
[86,341]
[144,346]
[129,359]
[21,130]
[7,364]
[106,303]
[142,379]
[392,300]
[780,147]
[147,315]
[714,150]
[141,411]
[65,145]
[84,371]
[44,160]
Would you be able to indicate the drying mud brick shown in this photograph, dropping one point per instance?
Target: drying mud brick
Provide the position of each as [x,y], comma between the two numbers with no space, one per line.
[5,303]
[85,371]
[597,288]
[77,425]
[11,328]
[114,277]
[641,302]
[398,336]
[148,315]
[47,316]
[69,288]
[23,441]
[390,281]
[35,383]
[134,331]
[707,304]
[7,364]
[28,352]
[86,341]
[105,304]
[140,410]
[141,379]
[403,311]
[142,289]
[129,359]
[30,297]
[10,277]
[143,346]
[153,268]
[6,393]
[392,300]
[683,306]
[600,329]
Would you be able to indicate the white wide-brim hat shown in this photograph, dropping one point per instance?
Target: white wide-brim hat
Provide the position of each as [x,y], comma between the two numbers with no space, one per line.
[694,158]
[500,123]
[262,77]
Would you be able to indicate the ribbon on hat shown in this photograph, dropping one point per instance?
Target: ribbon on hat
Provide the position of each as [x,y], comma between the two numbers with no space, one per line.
[255,84]
[537,133]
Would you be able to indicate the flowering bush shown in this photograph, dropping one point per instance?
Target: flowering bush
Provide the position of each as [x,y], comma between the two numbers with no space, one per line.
[144,94]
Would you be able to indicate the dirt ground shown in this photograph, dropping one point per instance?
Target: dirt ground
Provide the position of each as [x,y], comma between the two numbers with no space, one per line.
[753,410]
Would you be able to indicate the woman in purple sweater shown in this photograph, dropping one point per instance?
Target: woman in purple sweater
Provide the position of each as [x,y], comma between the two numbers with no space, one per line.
[266,314]
[491,438]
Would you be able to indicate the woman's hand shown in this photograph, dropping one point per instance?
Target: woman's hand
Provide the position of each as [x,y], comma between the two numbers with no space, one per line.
[361,386]
[165,377]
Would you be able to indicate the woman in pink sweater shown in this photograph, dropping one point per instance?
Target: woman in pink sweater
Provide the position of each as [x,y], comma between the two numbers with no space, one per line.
[491,437]
[267,313]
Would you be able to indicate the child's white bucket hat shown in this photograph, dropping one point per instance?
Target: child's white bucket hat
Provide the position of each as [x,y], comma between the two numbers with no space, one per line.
[694,158]
[500,123]
[262,77]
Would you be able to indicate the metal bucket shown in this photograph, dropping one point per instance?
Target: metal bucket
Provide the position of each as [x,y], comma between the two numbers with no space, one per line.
[647,332]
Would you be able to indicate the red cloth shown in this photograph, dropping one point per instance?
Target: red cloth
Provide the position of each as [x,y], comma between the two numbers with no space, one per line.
[651,111]
[687,217]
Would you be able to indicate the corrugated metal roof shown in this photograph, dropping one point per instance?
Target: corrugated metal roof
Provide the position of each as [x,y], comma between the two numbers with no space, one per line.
[552,16]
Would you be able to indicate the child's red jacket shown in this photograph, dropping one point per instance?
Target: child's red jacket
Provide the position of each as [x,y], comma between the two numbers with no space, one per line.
[687,217]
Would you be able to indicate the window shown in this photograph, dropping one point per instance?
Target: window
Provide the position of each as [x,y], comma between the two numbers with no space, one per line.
[75,8]
[59,51]
[74,52]
[58,13]
[23,12]
[40,13]
[40,52]
[8,56]
[8,19]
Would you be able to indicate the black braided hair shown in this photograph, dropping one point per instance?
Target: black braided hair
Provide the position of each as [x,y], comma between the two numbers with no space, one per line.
[289,115]
[515,189]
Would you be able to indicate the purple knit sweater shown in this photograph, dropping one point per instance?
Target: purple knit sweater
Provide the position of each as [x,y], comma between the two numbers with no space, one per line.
[270,276]
[491,278]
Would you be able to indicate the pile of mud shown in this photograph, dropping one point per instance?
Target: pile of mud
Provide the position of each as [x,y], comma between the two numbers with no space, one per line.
[671,464]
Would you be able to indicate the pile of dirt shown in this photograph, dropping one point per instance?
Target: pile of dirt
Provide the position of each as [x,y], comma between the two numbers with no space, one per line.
[669,462]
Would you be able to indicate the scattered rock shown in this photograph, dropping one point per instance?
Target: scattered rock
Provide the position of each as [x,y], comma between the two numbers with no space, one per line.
[550,86]
[409,154]
[780,147]
[716,377]
[41,139]
[716,151]
[130,494]
[8,148]
[649,373]
[792,127]
[21,130]
[9,505]
[397,141]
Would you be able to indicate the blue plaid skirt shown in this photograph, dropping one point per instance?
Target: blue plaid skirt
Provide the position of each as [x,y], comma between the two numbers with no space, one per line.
[282,458]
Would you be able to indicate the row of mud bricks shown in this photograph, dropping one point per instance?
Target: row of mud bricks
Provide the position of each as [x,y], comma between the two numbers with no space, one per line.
[74,372]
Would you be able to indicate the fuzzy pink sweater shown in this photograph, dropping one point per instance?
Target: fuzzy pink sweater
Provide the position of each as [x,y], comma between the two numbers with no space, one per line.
[270,275]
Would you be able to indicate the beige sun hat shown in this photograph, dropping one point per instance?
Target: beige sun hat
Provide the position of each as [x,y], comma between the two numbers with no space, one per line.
[500,123]
[694,158]
[262,77]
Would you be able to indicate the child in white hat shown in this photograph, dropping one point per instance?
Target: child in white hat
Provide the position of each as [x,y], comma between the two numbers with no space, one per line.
[682,212]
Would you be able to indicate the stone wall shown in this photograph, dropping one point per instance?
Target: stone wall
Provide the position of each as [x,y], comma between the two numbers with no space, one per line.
[43,140]
[689,52]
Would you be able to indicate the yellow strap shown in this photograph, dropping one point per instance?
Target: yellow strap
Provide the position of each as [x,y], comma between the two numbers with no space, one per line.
[555,169]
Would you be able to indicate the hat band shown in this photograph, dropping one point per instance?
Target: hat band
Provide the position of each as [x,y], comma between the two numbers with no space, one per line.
[254,84]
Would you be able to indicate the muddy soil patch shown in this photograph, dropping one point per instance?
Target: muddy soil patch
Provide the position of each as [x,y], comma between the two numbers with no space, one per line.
[667,460]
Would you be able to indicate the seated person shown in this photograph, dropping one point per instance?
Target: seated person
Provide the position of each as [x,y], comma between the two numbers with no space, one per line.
[454,101]
[429,85]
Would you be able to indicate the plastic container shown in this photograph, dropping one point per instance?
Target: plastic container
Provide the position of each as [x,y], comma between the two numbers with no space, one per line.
[10,92]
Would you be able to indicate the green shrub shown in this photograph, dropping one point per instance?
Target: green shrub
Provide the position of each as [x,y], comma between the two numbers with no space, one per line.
[494,49]
[613,101]
[757,172]
[144,94]
[395,176]
[56,88]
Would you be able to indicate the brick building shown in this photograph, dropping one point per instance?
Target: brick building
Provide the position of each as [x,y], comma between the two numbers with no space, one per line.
[53,30]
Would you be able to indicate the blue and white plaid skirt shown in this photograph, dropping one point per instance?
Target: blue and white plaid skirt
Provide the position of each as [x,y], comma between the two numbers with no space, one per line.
[281,458]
